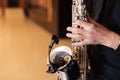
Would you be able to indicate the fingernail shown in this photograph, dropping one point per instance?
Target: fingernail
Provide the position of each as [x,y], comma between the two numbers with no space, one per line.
[67,34]
[67,28]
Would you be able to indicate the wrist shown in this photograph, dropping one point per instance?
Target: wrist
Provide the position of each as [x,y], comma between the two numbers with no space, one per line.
[117,43]
[113,41]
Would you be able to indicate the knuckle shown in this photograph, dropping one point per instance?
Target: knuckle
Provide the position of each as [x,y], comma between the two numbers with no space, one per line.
[78,30]
[91,28]
[77,36]
[92,25]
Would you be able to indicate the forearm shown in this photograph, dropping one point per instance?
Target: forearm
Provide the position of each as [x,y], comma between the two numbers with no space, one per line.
[112,41]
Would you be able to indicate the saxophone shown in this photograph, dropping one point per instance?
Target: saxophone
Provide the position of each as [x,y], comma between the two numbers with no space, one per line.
[70,64]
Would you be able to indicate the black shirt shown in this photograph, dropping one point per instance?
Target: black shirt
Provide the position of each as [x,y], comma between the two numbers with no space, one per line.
[105,62]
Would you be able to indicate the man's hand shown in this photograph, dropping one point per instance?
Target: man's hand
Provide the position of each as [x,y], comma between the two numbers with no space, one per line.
[93,33]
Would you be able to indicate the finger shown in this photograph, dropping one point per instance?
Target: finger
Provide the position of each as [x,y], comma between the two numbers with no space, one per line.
[75,36]
[76,30]
[82,43]
[83,24]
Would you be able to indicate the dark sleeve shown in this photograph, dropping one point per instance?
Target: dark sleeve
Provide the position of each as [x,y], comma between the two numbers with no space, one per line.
[116,13]
[114,18]
[117,51]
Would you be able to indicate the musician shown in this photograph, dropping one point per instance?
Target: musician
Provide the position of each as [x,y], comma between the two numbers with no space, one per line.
[102,35]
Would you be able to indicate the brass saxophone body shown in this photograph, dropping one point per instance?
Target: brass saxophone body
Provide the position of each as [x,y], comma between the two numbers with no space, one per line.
[79,12]
[71,64]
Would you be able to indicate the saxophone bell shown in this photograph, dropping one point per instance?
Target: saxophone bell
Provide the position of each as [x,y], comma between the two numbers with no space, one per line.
[60,57]
[63,63]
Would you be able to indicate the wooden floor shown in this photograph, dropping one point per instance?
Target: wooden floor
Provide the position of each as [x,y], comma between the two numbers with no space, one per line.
[23,48]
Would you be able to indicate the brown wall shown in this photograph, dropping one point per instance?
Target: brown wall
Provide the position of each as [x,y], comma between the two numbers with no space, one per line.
[42,3]
[21,3]
[5,3]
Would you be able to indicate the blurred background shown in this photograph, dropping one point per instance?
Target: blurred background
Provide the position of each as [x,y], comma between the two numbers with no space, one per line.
[26,27]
